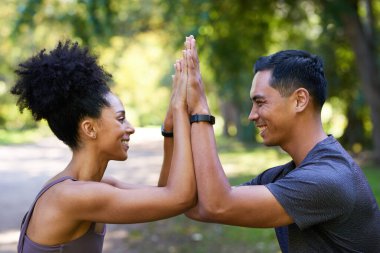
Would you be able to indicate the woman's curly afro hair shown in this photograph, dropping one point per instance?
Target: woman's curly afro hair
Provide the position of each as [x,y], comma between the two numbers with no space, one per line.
[62,86]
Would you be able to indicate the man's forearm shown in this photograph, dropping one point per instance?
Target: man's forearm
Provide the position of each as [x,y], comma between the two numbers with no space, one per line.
[212,183]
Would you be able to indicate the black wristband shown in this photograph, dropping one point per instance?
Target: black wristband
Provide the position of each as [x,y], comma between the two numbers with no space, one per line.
[164,133]
[202,117]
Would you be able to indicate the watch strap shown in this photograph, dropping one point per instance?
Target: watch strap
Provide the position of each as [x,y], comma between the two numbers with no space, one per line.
[202,118]
[165,133]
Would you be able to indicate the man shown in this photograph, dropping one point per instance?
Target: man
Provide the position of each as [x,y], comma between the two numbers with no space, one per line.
[318,202]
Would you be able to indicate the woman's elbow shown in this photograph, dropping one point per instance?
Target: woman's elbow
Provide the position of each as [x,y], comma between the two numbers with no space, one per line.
[184,202]
[190,200]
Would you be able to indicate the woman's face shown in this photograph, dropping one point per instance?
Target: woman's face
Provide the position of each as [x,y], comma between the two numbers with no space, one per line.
[114,130]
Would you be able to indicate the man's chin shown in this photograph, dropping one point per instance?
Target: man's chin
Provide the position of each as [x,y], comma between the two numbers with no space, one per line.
[269,143]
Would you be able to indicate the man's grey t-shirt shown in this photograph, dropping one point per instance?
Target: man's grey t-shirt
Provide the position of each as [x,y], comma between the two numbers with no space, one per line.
[329,199]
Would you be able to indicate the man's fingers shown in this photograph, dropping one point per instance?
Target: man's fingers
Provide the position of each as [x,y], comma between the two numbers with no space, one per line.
[188,40]
[194,50]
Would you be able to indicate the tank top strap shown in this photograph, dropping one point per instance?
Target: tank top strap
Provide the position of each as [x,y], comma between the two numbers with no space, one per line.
[51,184]
[28,215]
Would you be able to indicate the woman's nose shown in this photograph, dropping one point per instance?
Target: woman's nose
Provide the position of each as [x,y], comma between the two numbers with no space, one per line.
[129,128]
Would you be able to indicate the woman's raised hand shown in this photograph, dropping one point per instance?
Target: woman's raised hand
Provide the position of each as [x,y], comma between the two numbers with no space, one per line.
[180,80]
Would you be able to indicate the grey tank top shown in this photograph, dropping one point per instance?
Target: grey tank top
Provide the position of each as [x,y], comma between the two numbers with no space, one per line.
[91,241]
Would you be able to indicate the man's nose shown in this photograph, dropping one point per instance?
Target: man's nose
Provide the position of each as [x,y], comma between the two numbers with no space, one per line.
[253,116]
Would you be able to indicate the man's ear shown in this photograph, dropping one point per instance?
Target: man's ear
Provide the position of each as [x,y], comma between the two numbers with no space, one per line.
[88,128]
[302,98]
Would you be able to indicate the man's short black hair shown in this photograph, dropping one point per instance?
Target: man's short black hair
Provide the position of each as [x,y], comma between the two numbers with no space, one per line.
[62,86]
[293,69]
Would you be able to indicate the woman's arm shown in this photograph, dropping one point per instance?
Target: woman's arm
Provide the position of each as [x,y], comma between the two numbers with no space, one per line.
[167,160]
[101,202]
[110,180]
[168,141]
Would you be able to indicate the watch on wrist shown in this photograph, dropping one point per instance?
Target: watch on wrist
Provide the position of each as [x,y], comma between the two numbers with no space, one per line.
[202,118]
[165,133]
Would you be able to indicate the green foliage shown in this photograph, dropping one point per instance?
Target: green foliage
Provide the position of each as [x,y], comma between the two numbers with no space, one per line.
[22,136]
[372,173]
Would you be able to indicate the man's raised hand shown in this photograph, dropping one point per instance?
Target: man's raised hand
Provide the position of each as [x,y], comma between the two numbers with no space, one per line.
[196,97]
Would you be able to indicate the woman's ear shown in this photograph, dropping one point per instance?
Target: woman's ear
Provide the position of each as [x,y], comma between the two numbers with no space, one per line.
[302,98]
[88,128]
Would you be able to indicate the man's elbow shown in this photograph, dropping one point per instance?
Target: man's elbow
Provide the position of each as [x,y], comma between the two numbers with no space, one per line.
[211,213]
[196,213]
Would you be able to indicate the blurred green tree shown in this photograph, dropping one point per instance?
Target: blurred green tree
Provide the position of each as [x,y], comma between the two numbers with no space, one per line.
[356,21]
[231,35]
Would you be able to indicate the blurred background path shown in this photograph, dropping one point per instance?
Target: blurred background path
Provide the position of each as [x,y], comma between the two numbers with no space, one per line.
[25,168]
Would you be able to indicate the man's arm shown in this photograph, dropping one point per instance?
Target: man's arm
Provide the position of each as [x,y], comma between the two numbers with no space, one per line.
[250,206]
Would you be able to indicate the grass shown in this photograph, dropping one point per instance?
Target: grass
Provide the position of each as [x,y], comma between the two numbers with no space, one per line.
[180,234]
[372,173]
[10,137]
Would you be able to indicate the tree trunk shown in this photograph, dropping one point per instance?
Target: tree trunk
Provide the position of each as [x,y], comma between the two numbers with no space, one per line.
[354,132]
[362,43]
[231,118]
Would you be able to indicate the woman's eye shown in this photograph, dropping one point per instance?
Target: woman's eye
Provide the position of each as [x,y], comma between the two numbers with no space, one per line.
[121,120]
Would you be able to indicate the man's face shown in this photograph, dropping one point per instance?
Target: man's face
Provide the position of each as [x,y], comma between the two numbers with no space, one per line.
[271,113]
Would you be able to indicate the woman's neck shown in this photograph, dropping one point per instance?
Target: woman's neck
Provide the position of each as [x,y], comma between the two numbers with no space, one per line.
[86,165]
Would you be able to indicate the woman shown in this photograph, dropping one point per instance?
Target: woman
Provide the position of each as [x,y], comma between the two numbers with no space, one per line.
[69,89]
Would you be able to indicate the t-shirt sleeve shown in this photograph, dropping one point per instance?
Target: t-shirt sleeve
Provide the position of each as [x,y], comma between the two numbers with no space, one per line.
[268,176]
[314,194]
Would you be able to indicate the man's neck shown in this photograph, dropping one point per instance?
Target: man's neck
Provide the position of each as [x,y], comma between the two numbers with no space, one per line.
[303,141]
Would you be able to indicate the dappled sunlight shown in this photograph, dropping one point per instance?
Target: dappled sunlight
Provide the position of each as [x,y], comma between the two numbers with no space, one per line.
[8,240]
[333,117]
[9,236]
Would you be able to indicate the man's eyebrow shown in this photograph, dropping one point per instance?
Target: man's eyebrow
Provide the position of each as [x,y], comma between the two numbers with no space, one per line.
[256,97]
[121,111]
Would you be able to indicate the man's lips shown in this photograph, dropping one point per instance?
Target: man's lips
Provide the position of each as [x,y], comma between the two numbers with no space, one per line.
[261,128]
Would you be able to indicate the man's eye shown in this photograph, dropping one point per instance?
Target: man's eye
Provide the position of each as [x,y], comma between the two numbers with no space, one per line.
[121,120]
[259,103]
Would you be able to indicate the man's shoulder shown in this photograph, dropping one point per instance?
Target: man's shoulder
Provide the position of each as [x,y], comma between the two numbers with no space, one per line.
[329,156]
[272,174]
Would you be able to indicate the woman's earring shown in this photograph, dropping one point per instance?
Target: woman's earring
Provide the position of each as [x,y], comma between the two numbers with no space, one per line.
[93,136]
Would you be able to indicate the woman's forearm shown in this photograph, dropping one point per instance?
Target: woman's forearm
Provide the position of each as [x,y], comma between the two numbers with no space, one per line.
[167,160]
[182,177]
